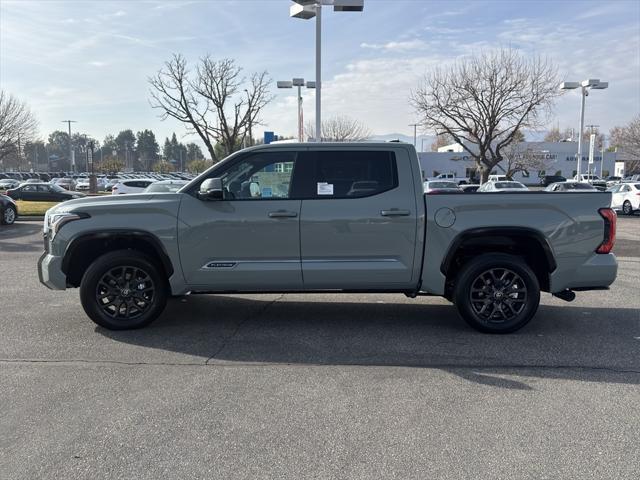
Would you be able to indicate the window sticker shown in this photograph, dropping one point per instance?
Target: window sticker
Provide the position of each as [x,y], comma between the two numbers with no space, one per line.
[325,188]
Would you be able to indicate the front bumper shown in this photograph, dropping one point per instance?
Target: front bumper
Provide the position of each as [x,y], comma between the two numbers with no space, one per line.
[50,272]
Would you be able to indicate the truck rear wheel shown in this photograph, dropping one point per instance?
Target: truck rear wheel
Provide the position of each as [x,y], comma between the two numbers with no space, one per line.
[497,293]
[123,290]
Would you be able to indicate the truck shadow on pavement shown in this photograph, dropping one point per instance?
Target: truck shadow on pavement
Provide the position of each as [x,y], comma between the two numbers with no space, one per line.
[9,234]
[590,344]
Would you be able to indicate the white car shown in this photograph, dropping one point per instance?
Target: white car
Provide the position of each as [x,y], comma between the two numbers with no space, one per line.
[508,186]
[82,185]
[571,186]
[451,177]
[499,178]
[625,197]
[132,185]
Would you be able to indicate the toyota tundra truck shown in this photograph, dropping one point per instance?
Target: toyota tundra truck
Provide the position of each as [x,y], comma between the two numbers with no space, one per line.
[328,217]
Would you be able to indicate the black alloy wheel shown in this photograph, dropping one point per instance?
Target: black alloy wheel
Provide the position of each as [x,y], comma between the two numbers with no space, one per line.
[496,293]
[627,209]
[123,290]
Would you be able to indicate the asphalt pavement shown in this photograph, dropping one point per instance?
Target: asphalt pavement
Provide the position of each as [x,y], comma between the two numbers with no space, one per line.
[317,386]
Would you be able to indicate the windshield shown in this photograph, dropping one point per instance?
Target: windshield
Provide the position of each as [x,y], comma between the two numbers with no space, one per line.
[580,186]
[56,188]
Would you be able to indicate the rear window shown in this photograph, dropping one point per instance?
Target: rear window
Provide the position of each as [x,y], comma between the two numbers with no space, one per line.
[637,185]
[509,185]
[580,186]
[352,173]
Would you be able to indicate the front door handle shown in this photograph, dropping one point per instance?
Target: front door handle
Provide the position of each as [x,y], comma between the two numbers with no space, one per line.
[283,214]
[394,212]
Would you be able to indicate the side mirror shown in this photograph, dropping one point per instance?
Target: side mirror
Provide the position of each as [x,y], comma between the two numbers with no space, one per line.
[211,189]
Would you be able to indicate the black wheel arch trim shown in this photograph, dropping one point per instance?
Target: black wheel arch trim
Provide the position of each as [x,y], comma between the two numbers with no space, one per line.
[502,232]
[122,233]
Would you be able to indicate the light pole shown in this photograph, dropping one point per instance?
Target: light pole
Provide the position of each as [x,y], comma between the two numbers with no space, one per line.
[585,85]
[72,158]
[297,82]
[415,133]
[307,9]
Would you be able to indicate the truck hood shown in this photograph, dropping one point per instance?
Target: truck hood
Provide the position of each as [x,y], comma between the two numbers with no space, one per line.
[116,203]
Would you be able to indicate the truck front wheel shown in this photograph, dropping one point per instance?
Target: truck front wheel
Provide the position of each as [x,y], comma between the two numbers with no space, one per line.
[123,290]
[497,293]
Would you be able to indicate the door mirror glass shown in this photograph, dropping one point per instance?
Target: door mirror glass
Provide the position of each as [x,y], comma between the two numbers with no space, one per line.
[211,189]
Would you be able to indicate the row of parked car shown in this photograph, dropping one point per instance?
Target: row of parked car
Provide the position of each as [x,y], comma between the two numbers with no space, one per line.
[625,193]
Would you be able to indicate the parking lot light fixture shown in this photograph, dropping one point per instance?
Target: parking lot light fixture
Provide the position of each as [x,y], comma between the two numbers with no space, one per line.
[585,85]
[307,9]
[297,82]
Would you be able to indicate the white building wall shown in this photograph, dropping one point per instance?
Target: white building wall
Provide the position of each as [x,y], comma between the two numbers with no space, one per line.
[560,157]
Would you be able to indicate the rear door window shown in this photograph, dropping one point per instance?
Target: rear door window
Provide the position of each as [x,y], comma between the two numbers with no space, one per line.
[351,173]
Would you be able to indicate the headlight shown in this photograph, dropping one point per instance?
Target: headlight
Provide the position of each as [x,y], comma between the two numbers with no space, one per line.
[53,222]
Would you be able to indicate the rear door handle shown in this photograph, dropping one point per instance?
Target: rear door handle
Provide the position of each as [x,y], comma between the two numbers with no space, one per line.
[283,214]
[394,212]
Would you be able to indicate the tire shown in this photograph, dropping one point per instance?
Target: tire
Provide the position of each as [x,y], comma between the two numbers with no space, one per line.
[110,297]
[627,209]
[511,309]
[9,215]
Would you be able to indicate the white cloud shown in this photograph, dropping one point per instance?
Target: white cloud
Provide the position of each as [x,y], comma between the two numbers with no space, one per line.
[396,46]
[97,63]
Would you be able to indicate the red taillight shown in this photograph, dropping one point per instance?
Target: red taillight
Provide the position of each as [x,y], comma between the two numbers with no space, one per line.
[610,218]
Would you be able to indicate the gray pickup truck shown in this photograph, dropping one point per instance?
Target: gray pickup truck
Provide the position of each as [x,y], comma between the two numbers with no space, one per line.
[328,218]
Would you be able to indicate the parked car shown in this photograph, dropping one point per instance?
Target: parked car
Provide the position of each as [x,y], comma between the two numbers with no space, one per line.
[611,180]
[66,183]
[135,185]
[83,185]
[470,188]
[451,177]
[593,179]
[571,186]
[165,186]
[499,178]
[311,230]
[632,178]
[549,179]
[8,183]
[502,186]
[8,210]
[33,180]
[625,197]
[434,186]
[42,192]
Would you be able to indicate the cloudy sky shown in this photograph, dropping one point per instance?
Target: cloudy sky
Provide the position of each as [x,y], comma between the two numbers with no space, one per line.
[90,60]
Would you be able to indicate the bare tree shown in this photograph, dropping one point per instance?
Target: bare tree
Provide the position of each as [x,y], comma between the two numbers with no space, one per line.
[555,135]
[216,102]
[340,129]
[442,140]
[627,140]
[484,100]
[521,157]
[17,125]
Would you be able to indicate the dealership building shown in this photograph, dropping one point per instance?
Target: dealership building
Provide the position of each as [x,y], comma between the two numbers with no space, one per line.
[558,158]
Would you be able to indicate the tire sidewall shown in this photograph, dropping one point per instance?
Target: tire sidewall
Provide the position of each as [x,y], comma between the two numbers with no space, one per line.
[111,260]
[4,211]
[475,267]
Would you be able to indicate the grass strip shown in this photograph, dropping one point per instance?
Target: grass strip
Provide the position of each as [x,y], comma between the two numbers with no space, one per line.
[26,208]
